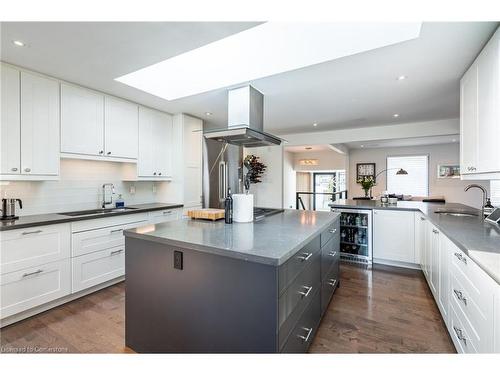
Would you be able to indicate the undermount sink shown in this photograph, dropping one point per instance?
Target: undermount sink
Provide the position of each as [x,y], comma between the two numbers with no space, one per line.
[97,211]
[457,213]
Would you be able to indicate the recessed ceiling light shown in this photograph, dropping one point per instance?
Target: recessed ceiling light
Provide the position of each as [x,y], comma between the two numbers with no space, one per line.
[18,43]
[308,148]
[395,115]
[315,124]
[208,113]
[400,78]
[262,51]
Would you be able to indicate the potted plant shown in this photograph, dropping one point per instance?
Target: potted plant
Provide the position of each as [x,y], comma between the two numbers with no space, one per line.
[366,182]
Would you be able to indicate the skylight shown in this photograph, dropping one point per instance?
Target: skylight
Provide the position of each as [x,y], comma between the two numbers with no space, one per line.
[268,49]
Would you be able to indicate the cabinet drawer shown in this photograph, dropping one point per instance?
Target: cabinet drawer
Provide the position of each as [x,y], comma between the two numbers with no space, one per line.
[329,284]
[289,271]
[330,253]
[297,296]
[30,247]
[305,329]
[157,217]
[99,239]
[479,314]
[329,232]
[31,287]
[98,267]
[83,225]
[461,333]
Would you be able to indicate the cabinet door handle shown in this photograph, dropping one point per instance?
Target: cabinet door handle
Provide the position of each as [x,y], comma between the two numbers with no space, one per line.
[116,230]
[159,174]
[306,337]
[101,152]
[460,335]
[332,254]
[32,273]
[461,257]
[332,282]
[308,290]
[108,153]
[422,218]
[333,230]
[435,231]
[154,174]
[32,232]
[305,257]
[27,169]
[14,169]
[460,296]
[115,252]
[167,212]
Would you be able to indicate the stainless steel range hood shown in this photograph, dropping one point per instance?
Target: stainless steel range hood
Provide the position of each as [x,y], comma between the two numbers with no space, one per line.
[245,117]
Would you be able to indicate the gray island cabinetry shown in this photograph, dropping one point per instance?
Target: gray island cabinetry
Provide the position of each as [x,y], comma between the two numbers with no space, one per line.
[203,287]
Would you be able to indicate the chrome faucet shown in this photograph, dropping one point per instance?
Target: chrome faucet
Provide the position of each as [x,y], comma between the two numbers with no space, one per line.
[104,202]
[485,194]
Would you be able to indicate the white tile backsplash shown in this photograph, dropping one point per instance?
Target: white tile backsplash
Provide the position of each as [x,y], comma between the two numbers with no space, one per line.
[495,192]
[79,187]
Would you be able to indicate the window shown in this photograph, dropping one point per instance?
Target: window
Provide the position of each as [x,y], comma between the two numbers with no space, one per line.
[495,192]
[416,182]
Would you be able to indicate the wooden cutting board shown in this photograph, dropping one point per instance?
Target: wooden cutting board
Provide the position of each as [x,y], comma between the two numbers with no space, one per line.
[206,213]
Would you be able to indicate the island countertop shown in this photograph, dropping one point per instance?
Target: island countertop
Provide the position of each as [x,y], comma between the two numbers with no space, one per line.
[272,240]
[480,240]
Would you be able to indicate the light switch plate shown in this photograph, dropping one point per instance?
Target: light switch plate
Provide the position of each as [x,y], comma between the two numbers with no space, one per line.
[131,189]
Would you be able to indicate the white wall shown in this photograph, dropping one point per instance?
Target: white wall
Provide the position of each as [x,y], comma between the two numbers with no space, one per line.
[451,189]
[79,188]
[327,161]
[289,180]
[268,193]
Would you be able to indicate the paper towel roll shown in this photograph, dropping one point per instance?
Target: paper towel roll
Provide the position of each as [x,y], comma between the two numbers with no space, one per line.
[243,208]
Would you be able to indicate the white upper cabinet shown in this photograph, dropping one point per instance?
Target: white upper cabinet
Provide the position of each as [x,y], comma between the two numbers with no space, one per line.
[480,114]
[121,128]
[193,145]
[82,121]
[155,137]
[39,125]
[10,131]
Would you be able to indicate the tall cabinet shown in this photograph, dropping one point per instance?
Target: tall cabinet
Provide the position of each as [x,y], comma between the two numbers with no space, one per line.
[480,114]
[29,125]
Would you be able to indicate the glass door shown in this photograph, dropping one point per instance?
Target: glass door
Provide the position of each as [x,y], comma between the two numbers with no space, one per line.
[324,182]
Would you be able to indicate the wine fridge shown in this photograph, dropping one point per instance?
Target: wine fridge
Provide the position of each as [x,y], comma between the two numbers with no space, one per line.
[355,236]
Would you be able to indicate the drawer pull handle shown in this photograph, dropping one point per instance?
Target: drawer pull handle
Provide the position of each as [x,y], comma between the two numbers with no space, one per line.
[332,282]
[116,252]
[435,231]
[460,335]
[116,230]
[305,257]
[306,337]
[32,273]
[305,294]
[333,230]
[167,212]
[460,296]
[332,254]
[32,232]
[461,257]
[422,218]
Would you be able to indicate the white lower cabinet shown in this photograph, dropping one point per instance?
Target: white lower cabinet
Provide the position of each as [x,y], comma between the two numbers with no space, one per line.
[394,235]
[157,217]
[34,286]
[97,267]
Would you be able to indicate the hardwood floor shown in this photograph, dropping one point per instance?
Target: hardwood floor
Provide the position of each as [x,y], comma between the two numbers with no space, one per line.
[379,311]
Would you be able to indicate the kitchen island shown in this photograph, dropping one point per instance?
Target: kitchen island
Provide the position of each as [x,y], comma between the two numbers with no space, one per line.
[211,287]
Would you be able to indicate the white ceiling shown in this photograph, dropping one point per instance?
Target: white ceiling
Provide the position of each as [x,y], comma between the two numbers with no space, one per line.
[354,91]
[313,148]
[405,142]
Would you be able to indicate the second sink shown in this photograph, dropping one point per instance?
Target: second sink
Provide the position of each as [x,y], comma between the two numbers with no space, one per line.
[97,211]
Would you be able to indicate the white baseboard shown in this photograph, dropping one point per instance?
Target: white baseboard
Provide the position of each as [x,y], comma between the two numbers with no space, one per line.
[397,264]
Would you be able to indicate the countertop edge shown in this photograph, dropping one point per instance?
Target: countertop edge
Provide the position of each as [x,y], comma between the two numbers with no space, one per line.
[232,253]
[60,219]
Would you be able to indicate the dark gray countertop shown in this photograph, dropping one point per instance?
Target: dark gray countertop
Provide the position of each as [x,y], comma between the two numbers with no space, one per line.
[46,219]
[272,240]
[480,240]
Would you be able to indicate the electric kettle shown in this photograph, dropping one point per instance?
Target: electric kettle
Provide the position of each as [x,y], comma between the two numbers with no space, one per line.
[9,208]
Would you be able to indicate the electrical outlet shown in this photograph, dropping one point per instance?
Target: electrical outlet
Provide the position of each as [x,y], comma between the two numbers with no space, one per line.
[154,188]
[131,189]
[178,260]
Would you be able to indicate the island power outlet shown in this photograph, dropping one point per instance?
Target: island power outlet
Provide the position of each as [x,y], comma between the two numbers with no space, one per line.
[178,259]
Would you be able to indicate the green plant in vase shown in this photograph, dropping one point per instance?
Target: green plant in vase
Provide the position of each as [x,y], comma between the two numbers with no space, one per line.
[366,182]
